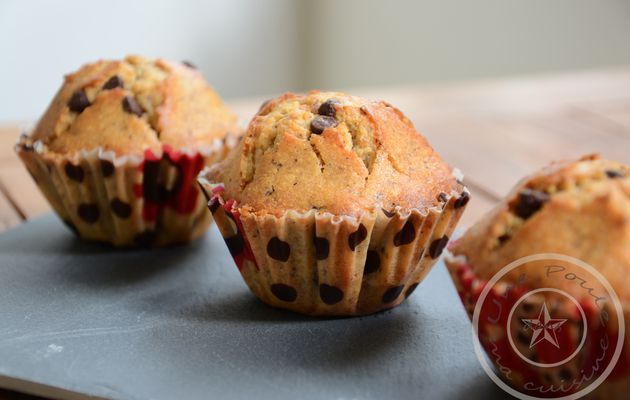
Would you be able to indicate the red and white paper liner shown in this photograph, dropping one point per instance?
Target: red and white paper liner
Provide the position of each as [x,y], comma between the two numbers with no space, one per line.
[149,200]
[322,264]
[493,338]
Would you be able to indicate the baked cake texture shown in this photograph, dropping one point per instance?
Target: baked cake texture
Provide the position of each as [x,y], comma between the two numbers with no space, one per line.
[578,209]
[117,150]
[333,204]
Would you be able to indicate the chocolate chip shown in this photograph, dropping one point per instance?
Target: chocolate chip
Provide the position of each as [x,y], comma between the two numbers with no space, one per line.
[406,235]
[611,173]
[120,208]
[530,201]
[145,239]
[278,249]
[321,123]
[88,212]
[462,200]
[392,294]
[411,289]
[565,374]
[114,82]
[322,247]
[189,64]
[79,101]
[327,108]
[74,172]
[235,244]
[528,306]
[435,250]
[443,197]
[107,168]
[131,106]
[503,238]
[388,214]
[284,292]
[330,294]
[355,238]
[372,262]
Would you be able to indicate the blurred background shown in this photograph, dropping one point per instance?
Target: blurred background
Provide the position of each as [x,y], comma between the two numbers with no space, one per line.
[254,47]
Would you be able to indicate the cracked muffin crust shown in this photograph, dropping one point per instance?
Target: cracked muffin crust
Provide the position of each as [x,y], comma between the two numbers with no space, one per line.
[333,204]
[579,208]
[335,153]
[132,105]
[118,150]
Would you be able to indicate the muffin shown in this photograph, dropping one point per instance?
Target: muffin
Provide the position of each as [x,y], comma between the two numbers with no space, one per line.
[118,150]
[333,204]
[556,252]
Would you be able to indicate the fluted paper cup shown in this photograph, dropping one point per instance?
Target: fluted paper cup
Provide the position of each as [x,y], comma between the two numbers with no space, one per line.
[130,200]
[316,263]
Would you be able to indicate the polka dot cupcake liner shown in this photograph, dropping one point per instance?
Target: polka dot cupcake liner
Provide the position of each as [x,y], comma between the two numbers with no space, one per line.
[149,200]
[519,373]
[322,264]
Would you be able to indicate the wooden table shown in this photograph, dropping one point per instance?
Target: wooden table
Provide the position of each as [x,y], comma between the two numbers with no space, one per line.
[495,131]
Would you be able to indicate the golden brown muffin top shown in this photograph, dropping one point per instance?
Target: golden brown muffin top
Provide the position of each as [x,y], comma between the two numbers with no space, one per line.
[579,208]
[131,105]
[335,153]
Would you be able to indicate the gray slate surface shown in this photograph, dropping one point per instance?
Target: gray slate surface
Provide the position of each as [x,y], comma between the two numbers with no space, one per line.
[180,323]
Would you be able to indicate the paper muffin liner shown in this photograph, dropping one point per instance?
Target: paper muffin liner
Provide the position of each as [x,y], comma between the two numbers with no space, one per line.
[130,200]
[493,339]
[322,264]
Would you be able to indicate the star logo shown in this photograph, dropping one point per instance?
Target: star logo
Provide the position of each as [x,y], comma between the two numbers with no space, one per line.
[544,327]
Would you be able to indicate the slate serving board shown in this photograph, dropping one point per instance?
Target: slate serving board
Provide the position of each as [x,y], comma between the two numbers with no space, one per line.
[80,320]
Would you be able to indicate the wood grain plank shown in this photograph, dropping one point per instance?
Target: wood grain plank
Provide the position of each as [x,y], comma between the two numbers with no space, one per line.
[613,115]
[245,108]
[479,204]
[21,195]
[507,96]
[496,152]
[22,190]
[477,150]
[8,137]
[9,217]
[495,131]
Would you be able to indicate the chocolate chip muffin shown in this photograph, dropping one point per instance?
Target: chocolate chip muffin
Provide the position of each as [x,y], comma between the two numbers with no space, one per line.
[117,151]
[538,239]
[333,204]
